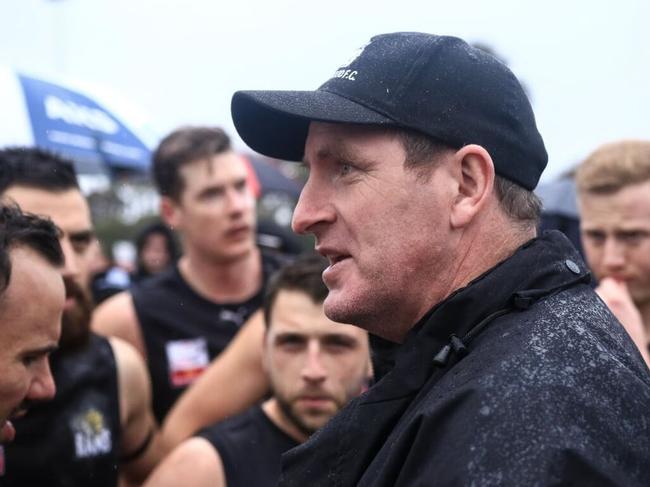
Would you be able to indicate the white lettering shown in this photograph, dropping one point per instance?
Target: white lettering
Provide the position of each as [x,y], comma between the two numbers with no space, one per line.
[92,445]
[75,114]
[346,74]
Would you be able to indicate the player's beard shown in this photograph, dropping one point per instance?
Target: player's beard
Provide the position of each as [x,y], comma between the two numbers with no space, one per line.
[294,418]
[75,326]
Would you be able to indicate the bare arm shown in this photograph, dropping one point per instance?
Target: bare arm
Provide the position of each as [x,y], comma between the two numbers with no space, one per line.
[140,442]
[194,463]
[617,297]
[116,317]
[234,381]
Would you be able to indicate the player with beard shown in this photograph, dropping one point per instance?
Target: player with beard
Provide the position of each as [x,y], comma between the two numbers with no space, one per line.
[315,366]
[30,262]
[100,422]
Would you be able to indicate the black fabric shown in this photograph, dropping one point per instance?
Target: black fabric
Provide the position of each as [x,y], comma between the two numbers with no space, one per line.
[250,446]
[549,391]
[74,439]
[437,85]
[169,311]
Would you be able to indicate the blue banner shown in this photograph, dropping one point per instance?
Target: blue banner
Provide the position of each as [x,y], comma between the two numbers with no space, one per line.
[74,125]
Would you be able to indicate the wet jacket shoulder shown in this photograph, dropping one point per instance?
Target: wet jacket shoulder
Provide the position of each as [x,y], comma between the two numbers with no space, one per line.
[521,378]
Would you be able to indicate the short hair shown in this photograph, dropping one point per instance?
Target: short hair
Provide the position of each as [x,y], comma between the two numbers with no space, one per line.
[303,274]
[18,229]
[36,168]
[422,154]
[613,166]
[183,146]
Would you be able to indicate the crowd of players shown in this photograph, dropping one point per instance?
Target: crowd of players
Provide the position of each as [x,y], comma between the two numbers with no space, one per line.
[207,371]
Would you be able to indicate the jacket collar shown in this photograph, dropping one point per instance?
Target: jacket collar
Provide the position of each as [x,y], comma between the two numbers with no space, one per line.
[539,268]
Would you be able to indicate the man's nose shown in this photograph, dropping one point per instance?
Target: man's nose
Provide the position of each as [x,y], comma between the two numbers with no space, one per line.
[42,387]
[314,207]
[71,266]
[314,370]
[239,200]
[613,254]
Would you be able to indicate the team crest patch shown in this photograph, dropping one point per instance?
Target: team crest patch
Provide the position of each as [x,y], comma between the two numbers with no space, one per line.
[187,360]
[91,436]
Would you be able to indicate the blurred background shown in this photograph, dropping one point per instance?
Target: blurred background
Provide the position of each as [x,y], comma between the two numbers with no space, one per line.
[103,80]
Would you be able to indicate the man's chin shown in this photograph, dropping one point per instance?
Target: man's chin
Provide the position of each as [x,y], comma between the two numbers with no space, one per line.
[338,306]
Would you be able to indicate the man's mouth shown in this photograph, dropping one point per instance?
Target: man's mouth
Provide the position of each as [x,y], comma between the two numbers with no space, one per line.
[238,231]
[333,256]
[70,302]
[316,402]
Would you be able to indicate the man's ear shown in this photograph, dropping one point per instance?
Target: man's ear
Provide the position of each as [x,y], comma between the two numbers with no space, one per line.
[169,212]
[475,178]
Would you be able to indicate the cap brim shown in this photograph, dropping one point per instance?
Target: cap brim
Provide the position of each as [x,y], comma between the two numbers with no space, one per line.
[275,123]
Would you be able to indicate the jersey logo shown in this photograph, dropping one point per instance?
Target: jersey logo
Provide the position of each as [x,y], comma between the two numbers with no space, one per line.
[91,436]
[187,359]
[237,317]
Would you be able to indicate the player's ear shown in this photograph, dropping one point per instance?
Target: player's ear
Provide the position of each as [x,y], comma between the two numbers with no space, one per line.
[475,180]
[169,211]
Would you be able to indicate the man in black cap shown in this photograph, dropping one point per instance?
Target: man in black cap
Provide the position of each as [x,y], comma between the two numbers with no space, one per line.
[423,154]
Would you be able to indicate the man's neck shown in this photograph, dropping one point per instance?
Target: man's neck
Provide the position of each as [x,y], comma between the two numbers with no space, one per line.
[225,281]
[273,411]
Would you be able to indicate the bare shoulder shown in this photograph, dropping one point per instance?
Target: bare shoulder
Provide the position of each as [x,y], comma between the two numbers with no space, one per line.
[133,377]
[116,317]
[194,462]
[127,357]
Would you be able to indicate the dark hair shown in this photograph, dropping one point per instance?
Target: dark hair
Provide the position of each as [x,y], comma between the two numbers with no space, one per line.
[303,274]
[183,146]
[155,228]
[422,151]
[18,229]
[35,168]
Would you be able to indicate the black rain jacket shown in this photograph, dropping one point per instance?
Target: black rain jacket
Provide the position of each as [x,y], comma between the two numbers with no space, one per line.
[521,378]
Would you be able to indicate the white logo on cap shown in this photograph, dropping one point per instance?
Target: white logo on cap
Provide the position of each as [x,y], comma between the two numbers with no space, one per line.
[350,73]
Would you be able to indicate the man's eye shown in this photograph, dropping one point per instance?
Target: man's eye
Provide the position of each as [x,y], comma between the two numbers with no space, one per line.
[345,169]
[80,246]
[30,359]
[290,342]
[632,238]
[595,238]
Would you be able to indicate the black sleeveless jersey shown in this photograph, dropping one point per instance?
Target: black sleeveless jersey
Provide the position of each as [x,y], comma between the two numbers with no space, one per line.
[72,440]
[184,331]
[250,446]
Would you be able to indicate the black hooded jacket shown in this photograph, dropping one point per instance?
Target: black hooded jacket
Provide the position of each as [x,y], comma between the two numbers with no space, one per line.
[523,377]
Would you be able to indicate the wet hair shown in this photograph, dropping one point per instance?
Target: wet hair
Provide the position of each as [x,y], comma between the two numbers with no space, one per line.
[614,166]
[304,275]
[423,153]
[36,168]
[18,229]
[184,146]
[156,228]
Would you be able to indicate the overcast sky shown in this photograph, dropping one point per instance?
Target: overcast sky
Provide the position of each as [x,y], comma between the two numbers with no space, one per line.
[585,63]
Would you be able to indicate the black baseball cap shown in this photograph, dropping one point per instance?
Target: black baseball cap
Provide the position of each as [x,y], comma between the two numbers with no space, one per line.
[437,85]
